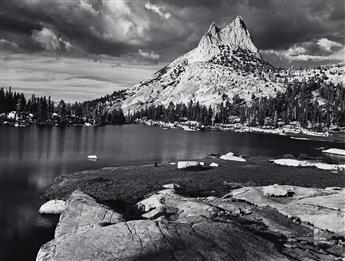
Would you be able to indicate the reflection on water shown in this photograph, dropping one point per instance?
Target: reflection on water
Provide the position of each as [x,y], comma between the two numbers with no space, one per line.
[30,158]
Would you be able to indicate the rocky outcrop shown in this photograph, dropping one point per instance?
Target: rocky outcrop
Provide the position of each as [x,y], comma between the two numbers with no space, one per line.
[323,208]
[277,191]
[54,206]
[174,227]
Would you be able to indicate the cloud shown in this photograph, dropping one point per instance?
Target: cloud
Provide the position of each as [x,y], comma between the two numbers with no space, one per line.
[50,42]
[6,45]
[149,55]
[71,79]
[87,7]
[319,50]
[47,39]
[338,55]
[169,27]
[142,57]
[157,10]
[290,54]
[295,51]
[95,26]
[328,44]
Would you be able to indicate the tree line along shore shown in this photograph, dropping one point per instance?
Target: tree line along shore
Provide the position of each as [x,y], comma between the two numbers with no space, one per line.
[298,105]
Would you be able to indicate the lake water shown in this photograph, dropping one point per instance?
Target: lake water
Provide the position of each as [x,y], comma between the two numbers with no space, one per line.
[30,158]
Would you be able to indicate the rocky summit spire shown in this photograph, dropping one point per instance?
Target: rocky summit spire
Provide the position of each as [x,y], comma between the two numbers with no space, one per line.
[238,22]
[211,37]
[235,35]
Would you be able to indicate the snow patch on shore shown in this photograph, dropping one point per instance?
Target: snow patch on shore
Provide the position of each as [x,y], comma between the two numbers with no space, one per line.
[232,157]
[188,164]
[305,164]
[214,165]
[299,138]
[335,151]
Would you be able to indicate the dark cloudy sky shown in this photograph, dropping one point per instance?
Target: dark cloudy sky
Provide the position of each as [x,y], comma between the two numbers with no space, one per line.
[140,33]
[292,30]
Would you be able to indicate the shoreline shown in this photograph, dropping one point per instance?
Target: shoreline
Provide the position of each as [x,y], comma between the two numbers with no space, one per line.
[294,132]
[119,182]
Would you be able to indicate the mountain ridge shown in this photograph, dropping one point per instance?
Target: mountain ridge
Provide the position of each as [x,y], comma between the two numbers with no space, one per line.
[224,64]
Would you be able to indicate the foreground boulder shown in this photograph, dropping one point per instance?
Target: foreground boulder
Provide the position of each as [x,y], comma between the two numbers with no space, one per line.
[173,227]
[83,212]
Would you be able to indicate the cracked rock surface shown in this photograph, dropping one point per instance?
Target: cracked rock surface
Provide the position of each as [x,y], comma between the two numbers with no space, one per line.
[323,208]
[184,228]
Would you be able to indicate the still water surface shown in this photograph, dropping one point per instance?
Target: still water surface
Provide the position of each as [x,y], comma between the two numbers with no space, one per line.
[30,158]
